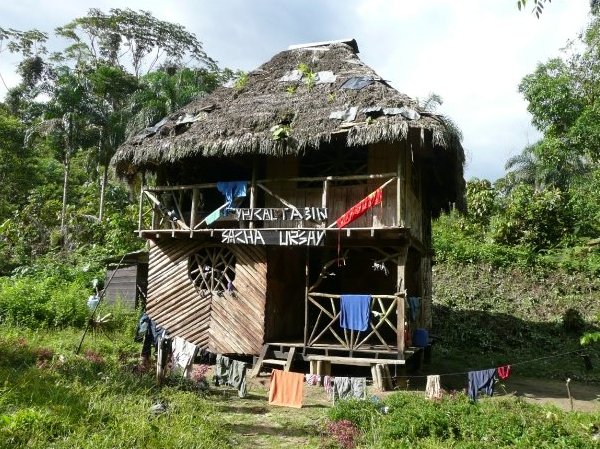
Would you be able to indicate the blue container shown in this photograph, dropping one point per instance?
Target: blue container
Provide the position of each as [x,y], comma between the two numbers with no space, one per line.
[420,338]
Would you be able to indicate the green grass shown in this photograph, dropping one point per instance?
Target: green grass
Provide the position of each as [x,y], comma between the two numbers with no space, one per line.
[53,398]
[50,397]
[454,422]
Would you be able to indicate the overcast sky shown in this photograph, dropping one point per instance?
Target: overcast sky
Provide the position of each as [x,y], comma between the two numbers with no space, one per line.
[471,52]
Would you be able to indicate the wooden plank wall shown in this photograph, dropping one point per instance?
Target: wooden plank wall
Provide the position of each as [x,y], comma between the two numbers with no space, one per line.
[383,158]
[122,288]
[237,323]
[173,301]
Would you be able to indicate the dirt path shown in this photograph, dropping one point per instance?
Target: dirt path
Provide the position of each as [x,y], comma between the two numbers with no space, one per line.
[586,397]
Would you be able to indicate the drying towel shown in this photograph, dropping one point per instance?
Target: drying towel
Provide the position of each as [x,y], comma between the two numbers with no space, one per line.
[481,381]
[433,389]
[355,311]
[232,190]
[286,388]
[356,211]
[504,372]
[183,355]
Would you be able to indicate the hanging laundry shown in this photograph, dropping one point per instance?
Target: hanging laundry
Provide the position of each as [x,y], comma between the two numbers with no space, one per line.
[355,311]
[481,381]
[221,374]
[349,388]
[414,304]
[358,210]
[328,385]
[213,216]
[230,372]
[313,379]
[232,190]
[206,357]
[433,389]
[286,388]
[504,372]
[183,356]
[237,377]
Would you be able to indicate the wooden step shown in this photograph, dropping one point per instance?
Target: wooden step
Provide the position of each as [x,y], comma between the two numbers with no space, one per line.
[274,362]
[357,361]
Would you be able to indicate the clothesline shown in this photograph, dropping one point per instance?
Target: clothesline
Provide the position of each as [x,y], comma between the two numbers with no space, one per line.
[464,373]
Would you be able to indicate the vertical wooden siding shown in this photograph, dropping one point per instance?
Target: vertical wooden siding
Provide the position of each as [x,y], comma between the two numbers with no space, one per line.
[173,301]
[237,323]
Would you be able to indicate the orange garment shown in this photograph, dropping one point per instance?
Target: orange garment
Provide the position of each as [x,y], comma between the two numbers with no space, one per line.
[286,388]
[356,211]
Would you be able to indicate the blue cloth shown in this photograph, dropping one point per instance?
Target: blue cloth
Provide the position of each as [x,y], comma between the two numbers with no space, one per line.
[481,381]
[414,303]
[232,190]
[355,311]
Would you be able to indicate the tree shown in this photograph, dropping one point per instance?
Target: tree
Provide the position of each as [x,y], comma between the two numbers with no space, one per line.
[105,45]
[66,123]
[131,39]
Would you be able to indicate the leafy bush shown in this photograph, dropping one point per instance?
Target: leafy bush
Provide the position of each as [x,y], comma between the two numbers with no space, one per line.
[51,301]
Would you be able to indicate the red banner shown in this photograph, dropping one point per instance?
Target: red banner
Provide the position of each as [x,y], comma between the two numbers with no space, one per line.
[358,210]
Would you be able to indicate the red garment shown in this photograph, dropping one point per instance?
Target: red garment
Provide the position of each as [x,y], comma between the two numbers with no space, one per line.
[503,372]
[356,211]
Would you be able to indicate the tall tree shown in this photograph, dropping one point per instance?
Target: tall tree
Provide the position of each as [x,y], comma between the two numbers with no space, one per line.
[108,45]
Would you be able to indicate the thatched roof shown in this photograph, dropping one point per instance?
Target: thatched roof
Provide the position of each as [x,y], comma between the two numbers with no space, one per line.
[297,101]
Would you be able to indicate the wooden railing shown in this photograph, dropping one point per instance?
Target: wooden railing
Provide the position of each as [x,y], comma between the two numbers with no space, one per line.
[176,208]
[385,316]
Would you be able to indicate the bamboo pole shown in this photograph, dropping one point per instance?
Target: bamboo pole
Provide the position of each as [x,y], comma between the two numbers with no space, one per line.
[140,213]
[306,280]
[401,276]
[194,211]
[253,189]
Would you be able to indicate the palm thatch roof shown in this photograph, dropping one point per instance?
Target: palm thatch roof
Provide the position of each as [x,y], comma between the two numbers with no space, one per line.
[299,100]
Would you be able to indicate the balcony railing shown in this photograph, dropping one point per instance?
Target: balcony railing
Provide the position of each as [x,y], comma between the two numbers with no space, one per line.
[180,209]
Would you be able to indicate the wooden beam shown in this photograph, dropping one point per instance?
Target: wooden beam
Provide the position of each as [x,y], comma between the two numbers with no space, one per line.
[194,211]
[277,197]
[401,287]
[306,280]
[253,188]
[141,205]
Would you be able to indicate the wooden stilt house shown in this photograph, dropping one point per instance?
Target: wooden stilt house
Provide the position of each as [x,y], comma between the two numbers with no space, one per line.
[308,179]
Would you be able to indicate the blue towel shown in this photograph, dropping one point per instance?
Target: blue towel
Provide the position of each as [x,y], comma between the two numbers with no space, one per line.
[481,381]
[355,311]
[232,190]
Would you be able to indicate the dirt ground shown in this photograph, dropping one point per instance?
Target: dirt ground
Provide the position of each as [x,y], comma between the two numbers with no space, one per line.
[586,397]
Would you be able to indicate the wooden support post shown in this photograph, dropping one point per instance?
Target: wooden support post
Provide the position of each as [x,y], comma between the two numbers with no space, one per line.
[253,188]
[400,186]
[401,289]
[324,198]
[306,286]
[140,213]
[194,211]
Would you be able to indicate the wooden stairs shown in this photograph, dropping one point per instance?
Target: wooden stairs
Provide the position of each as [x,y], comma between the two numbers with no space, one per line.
[274,354]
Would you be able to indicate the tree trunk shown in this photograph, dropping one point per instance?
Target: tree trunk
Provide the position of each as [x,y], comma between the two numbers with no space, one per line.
[103,191]
[63,212]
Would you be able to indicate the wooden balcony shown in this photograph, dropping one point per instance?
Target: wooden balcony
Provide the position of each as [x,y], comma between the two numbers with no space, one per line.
[288,211]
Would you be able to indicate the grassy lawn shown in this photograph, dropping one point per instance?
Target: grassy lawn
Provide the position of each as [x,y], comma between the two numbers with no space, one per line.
[52,398]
